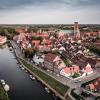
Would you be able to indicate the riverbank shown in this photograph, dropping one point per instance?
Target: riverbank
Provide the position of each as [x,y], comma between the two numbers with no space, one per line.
[22,87]
[56,87]
[60,88]
[3,94]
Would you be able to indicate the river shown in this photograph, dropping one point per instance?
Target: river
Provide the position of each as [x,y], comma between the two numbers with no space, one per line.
[21,86]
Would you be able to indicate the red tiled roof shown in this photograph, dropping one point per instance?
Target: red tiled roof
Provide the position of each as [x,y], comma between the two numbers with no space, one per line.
[91,33]
[71,69]
[76,69]
[98,80]
[44,35]
[67,70]
[2,39]
[35,41]
[91,86]
[50,45]
[88,68]
[20,30]
[96,84]
[50,57]
[47,41]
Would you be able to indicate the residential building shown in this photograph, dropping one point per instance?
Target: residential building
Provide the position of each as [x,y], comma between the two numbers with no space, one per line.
[69,71]
[43,48]
[43,35]
[88,69]
[3,39]
[35,42]
[53,63]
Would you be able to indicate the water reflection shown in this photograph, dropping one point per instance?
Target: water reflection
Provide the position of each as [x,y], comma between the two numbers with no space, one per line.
[22,87]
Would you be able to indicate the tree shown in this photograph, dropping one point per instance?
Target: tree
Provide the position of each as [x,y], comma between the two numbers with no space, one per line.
[94,49]
[9,32]
[98,38]
[40,38]
[75,75]
[29,53]
[34,38]
[37,38]
[2,32]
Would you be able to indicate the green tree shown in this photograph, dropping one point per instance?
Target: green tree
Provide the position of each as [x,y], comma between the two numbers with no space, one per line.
[40,38]
[37,38]
[34,38]
[29,53]
[9,32]
[75,75]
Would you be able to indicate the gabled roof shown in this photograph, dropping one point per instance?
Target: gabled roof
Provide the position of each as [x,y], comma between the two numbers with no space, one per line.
[88,68]
[50,57]
[20,30]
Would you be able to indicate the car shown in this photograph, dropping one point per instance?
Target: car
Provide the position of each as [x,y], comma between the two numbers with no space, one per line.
[77,81]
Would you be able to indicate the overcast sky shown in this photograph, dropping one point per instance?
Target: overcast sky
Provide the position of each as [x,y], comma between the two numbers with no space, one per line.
[49,11]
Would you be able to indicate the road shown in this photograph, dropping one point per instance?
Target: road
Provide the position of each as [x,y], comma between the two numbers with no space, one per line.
[85,79]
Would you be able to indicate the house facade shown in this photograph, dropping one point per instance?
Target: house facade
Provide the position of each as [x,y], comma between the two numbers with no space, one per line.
[69,71]
[53,63]
[3,39]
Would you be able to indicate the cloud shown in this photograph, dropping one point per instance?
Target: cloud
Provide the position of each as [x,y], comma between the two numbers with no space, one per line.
[49,11]
[32,15]
[16,3]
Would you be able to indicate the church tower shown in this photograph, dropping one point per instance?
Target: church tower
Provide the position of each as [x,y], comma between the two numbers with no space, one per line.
[76,30]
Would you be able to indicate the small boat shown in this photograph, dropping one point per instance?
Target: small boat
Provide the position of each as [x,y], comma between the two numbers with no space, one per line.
[47,89]
[5,86]
[10,48]
[32,77]
[20,65]
[22,68]
[3,82]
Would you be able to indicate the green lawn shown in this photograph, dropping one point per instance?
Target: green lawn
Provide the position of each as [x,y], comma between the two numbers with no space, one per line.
[3,95]
[75,75]
[60,88]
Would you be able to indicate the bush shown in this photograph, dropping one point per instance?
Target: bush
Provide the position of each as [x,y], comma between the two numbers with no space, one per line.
[75,75]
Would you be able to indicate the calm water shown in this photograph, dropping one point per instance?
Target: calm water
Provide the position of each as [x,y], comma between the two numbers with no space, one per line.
[21,86]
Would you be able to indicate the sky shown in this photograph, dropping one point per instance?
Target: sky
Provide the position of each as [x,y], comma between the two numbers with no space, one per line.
[49,11]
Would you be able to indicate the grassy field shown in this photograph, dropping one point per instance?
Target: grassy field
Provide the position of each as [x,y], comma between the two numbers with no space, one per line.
[3,95]
[60,88]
